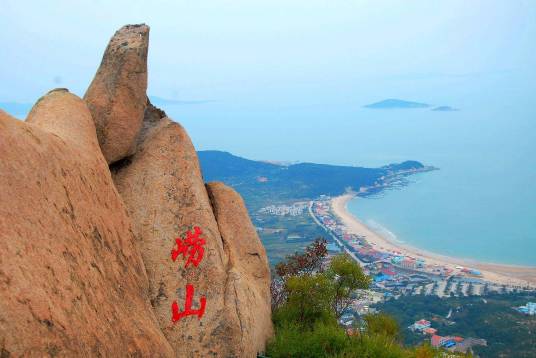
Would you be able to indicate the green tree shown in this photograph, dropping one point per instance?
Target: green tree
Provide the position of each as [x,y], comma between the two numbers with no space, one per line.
[309,299]
[346,277]
[382,324]
[323,340]
[306,321]
[304,263]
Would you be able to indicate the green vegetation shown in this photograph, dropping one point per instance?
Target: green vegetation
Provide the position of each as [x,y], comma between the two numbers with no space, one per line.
[284,235]
[262,184]
[507,332]
[382,324]
[279,183]
[308,299]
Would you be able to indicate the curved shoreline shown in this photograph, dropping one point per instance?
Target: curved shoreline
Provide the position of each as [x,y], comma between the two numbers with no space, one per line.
[509,275]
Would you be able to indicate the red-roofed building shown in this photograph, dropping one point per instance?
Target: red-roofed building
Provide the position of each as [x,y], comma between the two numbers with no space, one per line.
[388,272]
[431,331]
[436,341]
[363,251]
[423,322]
[420,325]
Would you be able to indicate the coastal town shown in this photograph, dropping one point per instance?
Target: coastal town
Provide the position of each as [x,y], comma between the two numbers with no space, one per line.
[294,209]
[397,273]
[451,343]
[394,272]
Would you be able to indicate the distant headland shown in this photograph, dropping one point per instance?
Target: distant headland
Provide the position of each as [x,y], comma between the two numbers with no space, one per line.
[445,109]
[393,103]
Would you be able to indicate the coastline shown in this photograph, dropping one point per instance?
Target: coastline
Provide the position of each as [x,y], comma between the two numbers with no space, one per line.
[501,274]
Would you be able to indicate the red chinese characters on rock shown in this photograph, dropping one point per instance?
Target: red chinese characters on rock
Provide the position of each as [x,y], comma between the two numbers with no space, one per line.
[191,248]
[188,311]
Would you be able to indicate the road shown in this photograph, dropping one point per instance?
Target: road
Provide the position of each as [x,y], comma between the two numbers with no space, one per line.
[339,242]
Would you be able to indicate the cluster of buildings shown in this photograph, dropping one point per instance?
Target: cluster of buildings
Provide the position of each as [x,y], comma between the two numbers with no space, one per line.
[322,211]
[424,327]
[528,309]
[451,343]
[397,274]
[283,210]
[391,270]
[455,343]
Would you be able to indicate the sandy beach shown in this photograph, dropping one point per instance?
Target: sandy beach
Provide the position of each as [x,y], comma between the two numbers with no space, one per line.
[496,273]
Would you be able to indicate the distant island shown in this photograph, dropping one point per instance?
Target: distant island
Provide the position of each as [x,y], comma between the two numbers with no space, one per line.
[393,103]
[445,109]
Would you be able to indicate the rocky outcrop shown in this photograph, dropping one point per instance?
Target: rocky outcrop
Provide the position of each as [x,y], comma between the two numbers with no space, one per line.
[164,192]
[248,282]
[116,97]
[72,281]
[138,257]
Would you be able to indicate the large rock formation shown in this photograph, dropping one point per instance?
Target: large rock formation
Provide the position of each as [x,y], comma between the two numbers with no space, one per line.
[116,97]
[72,281]
[98,260]
[248,282]
[165,195]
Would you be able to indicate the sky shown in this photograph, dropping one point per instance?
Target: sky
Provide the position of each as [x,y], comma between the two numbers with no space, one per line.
[249,65]
[221,50]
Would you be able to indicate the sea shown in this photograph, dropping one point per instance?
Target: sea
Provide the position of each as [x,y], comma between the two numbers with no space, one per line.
[480,204]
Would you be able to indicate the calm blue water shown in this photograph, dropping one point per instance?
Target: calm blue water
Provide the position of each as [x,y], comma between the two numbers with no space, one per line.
[481,204]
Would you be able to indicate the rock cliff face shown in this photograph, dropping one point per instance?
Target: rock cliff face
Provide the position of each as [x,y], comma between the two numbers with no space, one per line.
[116,97]
[72,281]
[139,258]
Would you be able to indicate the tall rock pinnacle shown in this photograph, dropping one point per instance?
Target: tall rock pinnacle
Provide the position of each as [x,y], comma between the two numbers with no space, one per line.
[116,97]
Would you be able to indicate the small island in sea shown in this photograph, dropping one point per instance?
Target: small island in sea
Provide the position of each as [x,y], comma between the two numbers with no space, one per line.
[445,109]
[393,103]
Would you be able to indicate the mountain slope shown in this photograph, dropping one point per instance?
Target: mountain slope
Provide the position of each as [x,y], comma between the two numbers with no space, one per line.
[298,181]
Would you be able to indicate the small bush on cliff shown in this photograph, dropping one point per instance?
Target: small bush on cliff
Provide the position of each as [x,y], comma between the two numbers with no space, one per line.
[304,263]
[382,325]
[310,299]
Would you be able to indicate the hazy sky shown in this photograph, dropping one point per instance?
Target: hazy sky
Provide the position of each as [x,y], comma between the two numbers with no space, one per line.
[271,54]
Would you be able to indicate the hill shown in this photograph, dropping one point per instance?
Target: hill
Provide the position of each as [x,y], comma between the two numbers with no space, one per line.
[393,103]
[300,181]
[445,109]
